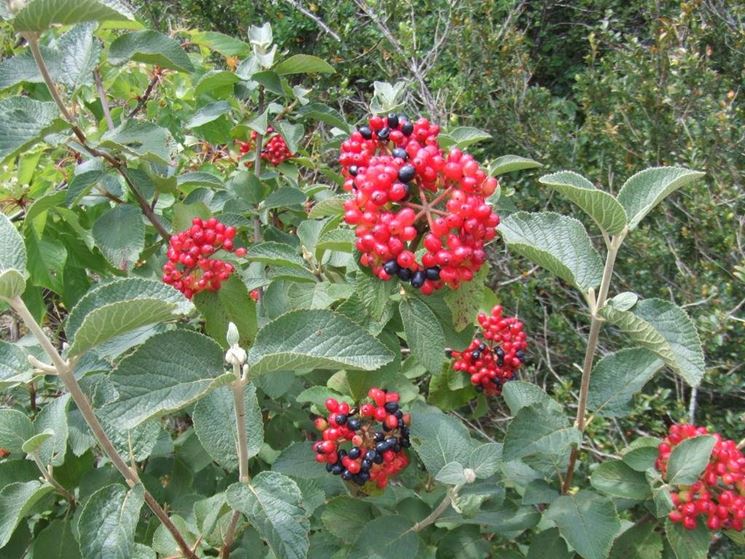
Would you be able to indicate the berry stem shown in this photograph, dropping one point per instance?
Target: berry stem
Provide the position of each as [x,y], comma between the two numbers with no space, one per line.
[66,375]
[592,345]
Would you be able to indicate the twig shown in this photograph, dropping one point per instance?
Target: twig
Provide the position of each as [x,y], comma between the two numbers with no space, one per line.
[66,375]
[104,101]
[592,344]
[50,479]
[318,21]
[692,404]
[437,513]
[143,99]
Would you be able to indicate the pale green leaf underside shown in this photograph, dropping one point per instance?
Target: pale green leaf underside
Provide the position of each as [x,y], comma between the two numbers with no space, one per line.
[438,438]
[150,47]
[139,138]
[106,526]
[463,136]
[39,15]
[424,335]
[308,339]
[533,431]
[120,235]
[15,429]
[166,373]
[510,163]
[587,521]
[607,212]
[14,366]
[16,501]
[558,243]
[273,504]
[617,377]
[665,329]
[644,190]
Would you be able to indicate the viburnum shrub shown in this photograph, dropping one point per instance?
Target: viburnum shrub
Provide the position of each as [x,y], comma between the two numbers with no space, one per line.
[718,496]
[205,359]
[407,195]
[493,358]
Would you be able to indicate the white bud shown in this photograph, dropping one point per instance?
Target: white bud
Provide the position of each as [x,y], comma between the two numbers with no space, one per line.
[232,337]
[469,474]
[236,355]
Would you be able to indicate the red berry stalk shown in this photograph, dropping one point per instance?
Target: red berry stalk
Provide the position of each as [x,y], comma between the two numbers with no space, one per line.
[408,194]
[191,267]
[364,444]
[493,358]
[719,494]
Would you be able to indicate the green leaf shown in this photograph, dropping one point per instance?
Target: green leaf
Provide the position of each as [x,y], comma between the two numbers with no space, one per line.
[688,544]
[283,198]
[292,133]
[641,454]
[451,473]
[56,541]
[25,121]
[536,430]
[315,339]
[617,377]
[424,335]
[511,163]
[214,424]
[275,254]
[166,373]
[164,543]
[224,44]
[140,139]
[14,365]
[217,84]
[120,235]
[298,460]
[624,301]
[39,15]
[616,479]
[556,242]
[374,294]
[231,303]
[638,542]
[438,438]
[485,459]
[386,537]
[518,395]
[81,185]
[16,502]
[273,505]
[303,64]
[120,306]
[341,240]
[465,302]
[688,459]
[12,259]
[53,418]
[33,444]
[548,545]
[149,47]
[106,527]
[665,329]
[644,190]
[324,113]
[587,521]
[344,517]
[200,178]
[208,113]
[15,429]
[463,136]
[603,208]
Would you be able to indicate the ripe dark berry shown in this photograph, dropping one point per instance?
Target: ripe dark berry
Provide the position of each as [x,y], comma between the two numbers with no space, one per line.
[384,134]
[404,274]
[346,475]
[407,128]
[365,132]
[399,153]
[391,407]
[433,273]
[354,452]
[341,419]
[393,120]
[353,170]
[406,173]
[418,279]
[354,424]
[391,267]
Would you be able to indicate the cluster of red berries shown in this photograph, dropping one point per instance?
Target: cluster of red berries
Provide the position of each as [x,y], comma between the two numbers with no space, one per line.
[275,149]
[366,443]
[190,267]
[493,360]
[719,494]
[409,194]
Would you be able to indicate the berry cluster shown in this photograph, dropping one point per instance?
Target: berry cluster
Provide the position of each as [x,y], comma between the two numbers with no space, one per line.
[275,149]
[374,437]
[190,267]
[408,194]
[493,360]
[719,494]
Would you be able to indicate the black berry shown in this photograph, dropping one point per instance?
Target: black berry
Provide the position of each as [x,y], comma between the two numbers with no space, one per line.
[391,268]
[392,120]
[406,173]
[407,128]
[433,273]
[399,153]
[418,279]
[366,133]
[384,134]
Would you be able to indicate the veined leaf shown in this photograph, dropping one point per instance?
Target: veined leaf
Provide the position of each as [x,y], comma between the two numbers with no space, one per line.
[511,163]
[688,544]
[12,260]
[424,335]
[665,329]
[16,501]
[39,15]
[308,339]
[386,537]
[644,190]
[617,479]
[166,373]
[120,235]
[463,136]
[15,429]
[438,438]
[275,254]
[273,504]
[558,243]
[688,459]
[25,121]
[150,47]
[303,64]
[535,431]
[143,139]
[603,208]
